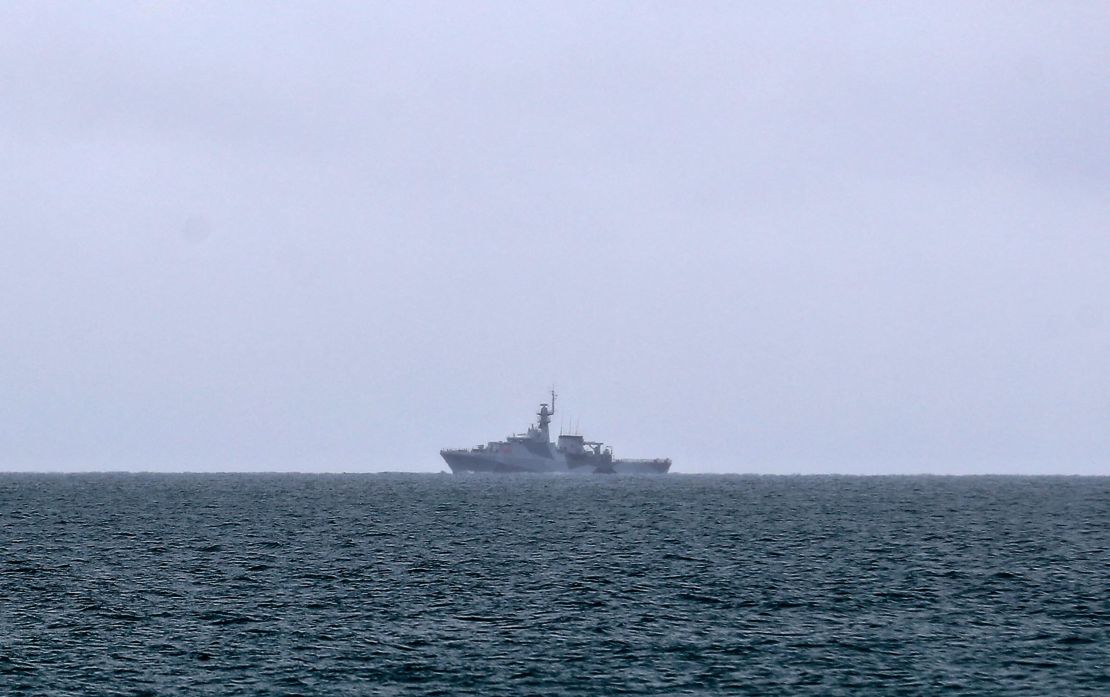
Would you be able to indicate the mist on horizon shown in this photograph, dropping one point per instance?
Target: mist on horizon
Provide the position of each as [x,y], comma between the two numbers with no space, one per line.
[775,238]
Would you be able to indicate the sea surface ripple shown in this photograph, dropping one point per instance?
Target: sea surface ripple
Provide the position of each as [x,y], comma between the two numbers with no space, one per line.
[432,584]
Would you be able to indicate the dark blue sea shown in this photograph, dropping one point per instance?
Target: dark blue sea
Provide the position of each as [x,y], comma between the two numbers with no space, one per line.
[402,584]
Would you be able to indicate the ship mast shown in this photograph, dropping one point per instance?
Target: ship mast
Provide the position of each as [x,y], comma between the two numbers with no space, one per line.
[545,418]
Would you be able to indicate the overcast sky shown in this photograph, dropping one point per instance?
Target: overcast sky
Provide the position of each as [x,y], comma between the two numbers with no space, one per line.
[753,237]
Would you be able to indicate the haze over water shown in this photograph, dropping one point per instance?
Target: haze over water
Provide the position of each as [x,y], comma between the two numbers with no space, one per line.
[768,237]
[428,584]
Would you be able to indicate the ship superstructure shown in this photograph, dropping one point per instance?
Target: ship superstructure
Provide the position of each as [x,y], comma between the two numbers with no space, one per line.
[533,451]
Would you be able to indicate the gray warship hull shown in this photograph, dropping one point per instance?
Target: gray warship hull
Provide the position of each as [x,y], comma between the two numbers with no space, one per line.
[534,452]
[468,461]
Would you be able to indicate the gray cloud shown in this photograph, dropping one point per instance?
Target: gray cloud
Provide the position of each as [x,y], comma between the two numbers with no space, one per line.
[779,238]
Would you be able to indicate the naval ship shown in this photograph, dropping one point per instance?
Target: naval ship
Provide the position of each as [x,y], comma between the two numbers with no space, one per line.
[534,452]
